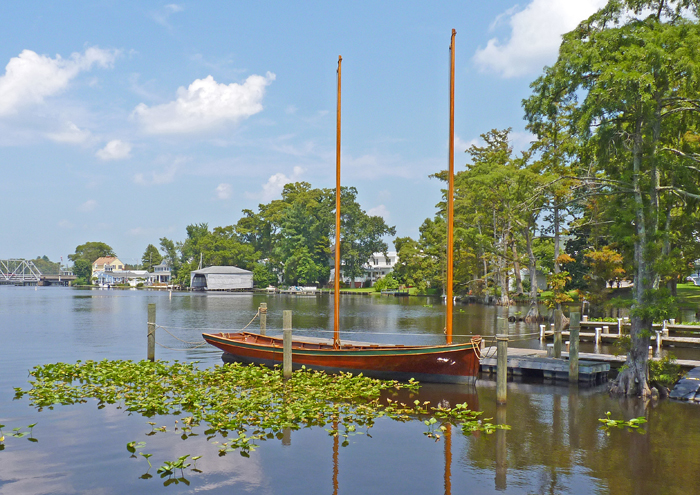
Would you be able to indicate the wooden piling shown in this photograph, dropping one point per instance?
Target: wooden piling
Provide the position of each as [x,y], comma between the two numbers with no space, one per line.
[574,329]
[263,318]
[558,325]
[151,354]
[542,334]
[659,341]
[501,450]
[597,335]
[502,369]
[287,344]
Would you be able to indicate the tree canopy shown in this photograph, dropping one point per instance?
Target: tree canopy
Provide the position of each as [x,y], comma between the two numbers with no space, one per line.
[90,251]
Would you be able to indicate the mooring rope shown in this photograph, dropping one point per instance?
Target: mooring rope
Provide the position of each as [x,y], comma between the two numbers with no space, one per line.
[489,351]
[193,344]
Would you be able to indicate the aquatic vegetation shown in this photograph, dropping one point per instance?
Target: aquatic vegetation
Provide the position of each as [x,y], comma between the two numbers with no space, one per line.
[18,433]
[631,425]
[251,403]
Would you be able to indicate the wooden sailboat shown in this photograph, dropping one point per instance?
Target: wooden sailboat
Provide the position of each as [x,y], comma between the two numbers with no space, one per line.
[448,363]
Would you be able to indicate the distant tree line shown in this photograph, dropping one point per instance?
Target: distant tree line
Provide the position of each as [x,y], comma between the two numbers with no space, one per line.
[289,240]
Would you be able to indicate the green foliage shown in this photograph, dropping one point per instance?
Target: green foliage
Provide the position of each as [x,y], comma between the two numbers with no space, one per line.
[631,425]
[263,276]
[623,346]
[151,257]
[625,85]
[387,282]
[658,305]
[557,290]
[664,371]
[82,269]
[90,251]
[46,266]
[242,405]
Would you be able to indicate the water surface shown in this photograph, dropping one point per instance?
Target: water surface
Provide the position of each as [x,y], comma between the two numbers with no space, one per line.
[555,445]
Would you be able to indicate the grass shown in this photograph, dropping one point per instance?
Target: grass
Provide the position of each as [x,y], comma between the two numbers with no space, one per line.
[688,295]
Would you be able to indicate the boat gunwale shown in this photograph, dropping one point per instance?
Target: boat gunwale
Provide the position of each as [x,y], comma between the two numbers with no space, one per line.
[298,346]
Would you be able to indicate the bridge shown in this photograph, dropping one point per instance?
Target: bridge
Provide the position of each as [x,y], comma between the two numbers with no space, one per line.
[25,272]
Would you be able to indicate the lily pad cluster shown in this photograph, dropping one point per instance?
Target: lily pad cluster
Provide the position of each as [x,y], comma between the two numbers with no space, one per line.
[631,425]
[251,403]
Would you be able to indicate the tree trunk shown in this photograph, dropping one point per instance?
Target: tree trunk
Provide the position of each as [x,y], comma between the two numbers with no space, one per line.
[556,245]
[516,269]
[505,299]
[633,379]
[533,312]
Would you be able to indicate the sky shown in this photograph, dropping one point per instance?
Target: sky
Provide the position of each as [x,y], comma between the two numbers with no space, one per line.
[125,121]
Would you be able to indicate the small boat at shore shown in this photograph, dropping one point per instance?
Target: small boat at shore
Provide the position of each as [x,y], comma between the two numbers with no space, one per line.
[447,363]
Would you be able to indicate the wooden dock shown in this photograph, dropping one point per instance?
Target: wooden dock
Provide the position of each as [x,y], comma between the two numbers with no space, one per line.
[593,368]
[534,362]
[671,334]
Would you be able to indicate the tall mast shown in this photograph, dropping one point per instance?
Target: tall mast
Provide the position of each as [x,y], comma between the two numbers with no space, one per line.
[336,281]
[450,196]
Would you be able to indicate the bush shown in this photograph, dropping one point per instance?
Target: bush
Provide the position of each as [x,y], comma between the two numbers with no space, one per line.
[664,371]
[387,282]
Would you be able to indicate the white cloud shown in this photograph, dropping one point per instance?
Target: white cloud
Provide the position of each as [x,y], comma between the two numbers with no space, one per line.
[65,224]
[30,77]
[162,16]
[157,178]
[115,150]
[70,134]
[379,211]
[205,105]
[89,205]
[535,36]
[224,191]
[462,146]
[274,185]
[520,141]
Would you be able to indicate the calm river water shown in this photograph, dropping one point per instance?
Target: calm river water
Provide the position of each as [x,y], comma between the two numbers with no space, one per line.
[555,445]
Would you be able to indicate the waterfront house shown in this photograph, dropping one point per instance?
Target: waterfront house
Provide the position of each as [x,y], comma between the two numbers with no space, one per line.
[161,274]
[119,277]
[376,267]
[106,264]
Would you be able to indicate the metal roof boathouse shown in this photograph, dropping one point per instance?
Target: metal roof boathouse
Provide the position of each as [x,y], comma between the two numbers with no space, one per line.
[221,278]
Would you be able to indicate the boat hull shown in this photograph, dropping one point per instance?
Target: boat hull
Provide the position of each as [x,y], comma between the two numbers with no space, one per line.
[453,363]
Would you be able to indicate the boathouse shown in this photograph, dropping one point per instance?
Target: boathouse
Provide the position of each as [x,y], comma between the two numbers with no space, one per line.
[224,278]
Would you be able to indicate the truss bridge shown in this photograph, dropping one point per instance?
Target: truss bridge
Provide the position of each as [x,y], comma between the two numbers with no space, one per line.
[25,272]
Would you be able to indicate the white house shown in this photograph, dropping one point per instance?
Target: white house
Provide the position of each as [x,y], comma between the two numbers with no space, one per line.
[161,274]
[114,277]
[376,267]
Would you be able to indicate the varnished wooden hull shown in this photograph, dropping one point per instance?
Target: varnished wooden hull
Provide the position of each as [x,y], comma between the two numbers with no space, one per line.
[453,363]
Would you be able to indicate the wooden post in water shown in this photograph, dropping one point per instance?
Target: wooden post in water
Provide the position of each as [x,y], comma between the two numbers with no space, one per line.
[574,329]
[151,355]
[501,450]
[502,366]
[558,324]
[287,344]
[263,318]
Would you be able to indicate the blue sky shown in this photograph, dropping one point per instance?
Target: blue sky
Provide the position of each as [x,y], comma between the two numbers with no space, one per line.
[125,121]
